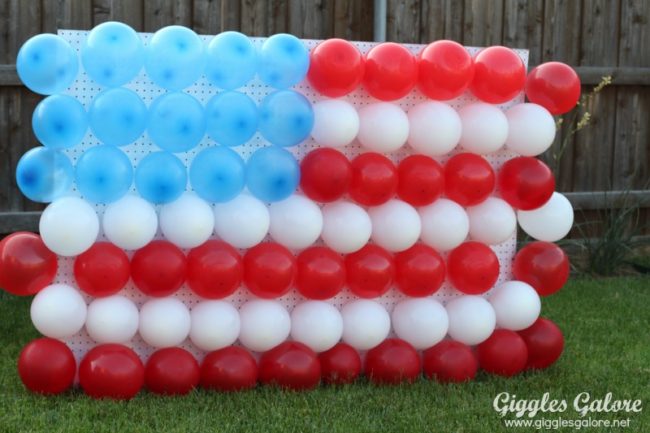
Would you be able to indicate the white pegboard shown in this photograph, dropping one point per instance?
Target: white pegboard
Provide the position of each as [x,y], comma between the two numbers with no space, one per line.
[85,89]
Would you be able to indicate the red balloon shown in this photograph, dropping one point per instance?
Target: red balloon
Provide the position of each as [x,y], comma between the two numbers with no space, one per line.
[370,271]
[214,270]
[419,271]
[445,70]
[504,353]
[543,265]
[392,362]
[374,179]
[335,67]
[449,361]
[341,364]
[269,270]
[555,86]
[321,273]
[111,371]
[46,366]
[545,343]
[499,75]
[525,182]
[159,269]
[421,180]
[171,371]
[229,369]
[473,268]
[102,270]
[290,365]
[325,175]
[469,179]
[391,71]
[26,264]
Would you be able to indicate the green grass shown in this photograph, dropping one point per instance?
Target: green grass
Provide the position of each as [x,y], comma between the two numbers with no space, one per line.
[606,323]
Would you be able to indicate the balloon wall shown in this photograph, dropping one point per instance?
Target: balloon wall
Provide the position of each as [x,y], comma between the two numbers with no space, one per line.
[226,211]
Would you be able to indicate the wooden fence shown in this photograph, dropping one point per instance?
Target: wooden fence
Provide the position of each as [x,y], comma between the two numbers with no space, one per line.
[598,37]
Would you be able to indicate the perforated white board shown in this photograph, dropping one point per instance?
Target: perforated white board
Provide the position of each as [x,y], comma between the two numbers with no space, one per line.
[85,89]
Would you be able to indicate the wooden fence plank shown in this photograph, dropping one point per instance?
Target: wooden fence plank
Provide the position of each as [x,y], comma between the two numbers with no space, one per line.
[130,12]
[311,19]
[253,20]
[522,26]
[162,13]
[632,154]
[403,21]
[66,14]
[483,22]
[594,150]
[206,18]
[353,20]
[230,15]
[561,42]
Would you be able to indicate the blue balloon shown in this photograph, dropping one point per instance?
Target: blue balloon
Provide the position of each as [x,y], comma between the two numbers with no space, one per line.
[218,174]
[175,57]
[160,177]
[272,174]
[284,61]
[47,64]
[286,118]
[176,122]
[104,174]
[231,118]
[231,60]
[112,54]
[44,174]
[118,116]
[59,122]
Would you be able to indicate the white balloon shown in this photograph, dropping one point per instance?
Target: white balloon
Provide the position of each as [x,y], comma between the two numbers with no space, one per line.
[58,311]
[516,305]
[384,127]
[130,223]
[346,227]
[485,128]
[471,319]
[243,222]
[113,319]
[492,221]
[445,224]
[423,322]
[365,324]
[296,222]
[164,322]
[187,221]
[316,324]
[434,128]
[215,325]
[69,226]
[531,129]
[395,225]
[336,123]
[549,223]
[264,324]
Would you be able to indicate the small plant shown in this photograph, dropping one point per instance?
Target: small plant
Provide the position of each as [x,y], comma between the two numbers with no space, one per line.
[618,227]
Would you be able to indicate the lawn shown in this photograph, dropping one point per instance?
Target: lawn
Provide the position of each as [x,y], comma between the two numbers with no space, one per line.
[607,329]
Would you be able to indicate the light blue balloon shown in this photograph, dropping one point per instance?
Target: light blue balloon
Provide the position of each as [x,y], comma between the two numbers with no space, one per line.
[176,122]
[174,57]
[218,174]
[44,174]
[286,118]
[231,118]
[272,174]
[284,61]
[47,64]
[231,60]
[112,54]
[59,122]
[104,174]
[160,177]
[117,116]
